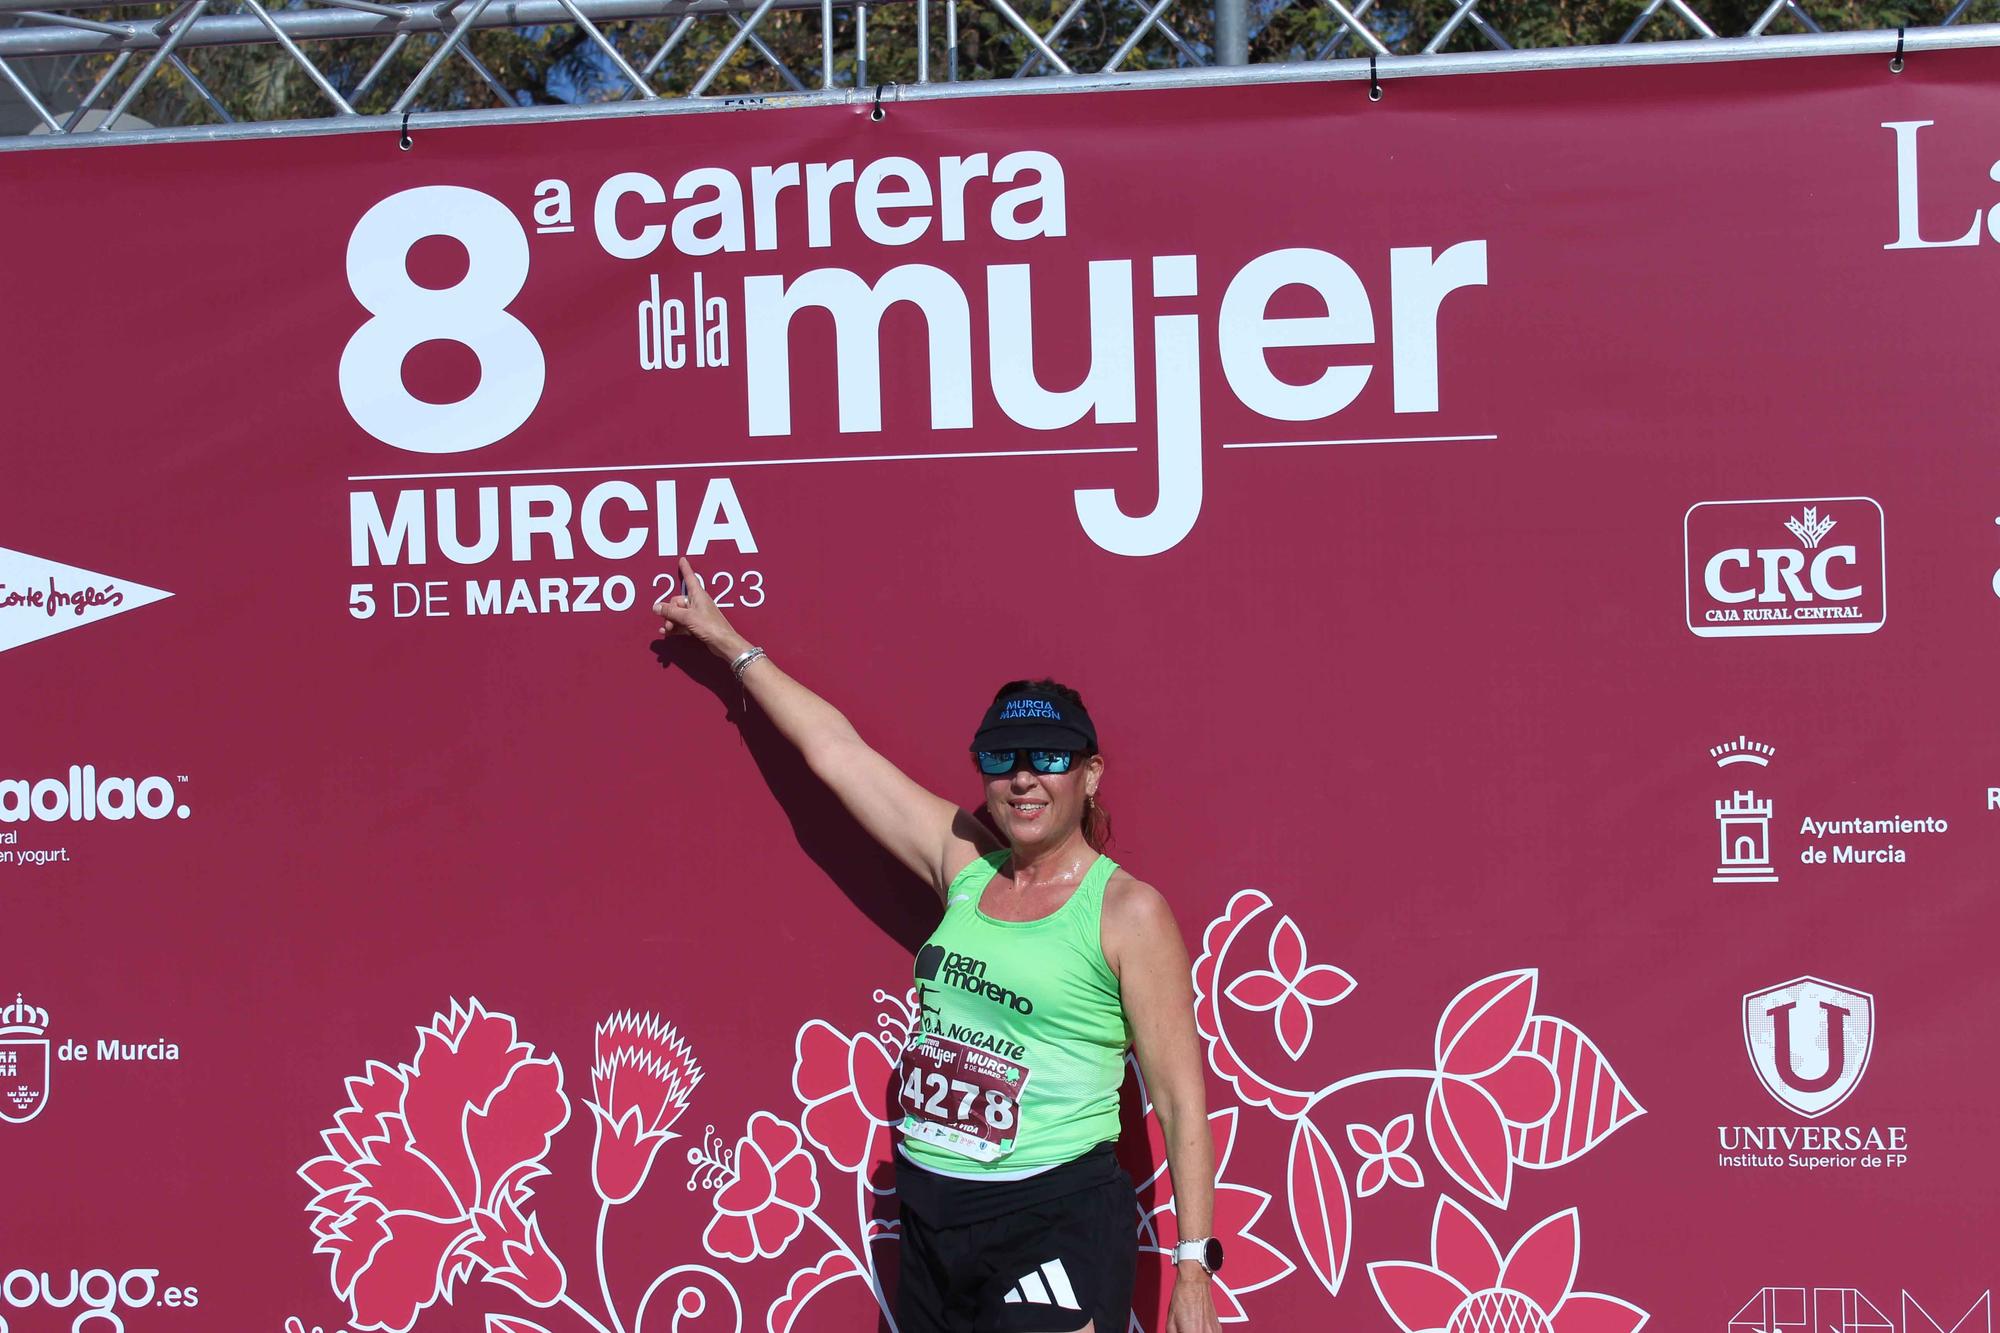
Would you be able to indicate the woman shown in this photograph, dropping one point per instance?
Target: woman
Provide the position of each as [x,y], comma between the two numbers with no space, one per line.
[1049,963]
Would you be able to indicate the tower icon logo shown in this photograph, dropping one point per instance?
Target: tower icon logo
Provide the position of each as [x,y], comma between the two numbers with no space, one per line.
[1745,824]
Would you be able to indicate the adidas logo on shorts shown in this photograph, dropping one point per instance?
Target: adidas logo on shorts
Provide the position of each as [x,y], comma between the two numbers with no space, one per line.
[1032,1290]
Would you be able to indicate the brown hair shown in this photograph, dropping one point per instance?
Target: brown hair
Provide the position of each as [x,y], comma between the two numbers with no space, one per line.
[1096,822]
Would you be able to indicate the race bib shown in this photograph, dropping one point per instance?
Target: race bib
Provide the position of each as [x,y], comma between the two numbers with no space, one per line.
[961,1098]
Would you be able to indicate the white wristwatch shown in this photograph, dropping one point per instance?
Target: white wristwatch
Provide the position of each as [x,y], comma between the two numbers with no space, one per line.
[1207,1252]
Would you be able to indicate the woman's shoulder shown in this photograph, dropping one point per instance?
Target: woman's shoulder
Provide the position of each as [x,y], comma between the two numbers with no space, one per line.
[1132,904]
[1138,926]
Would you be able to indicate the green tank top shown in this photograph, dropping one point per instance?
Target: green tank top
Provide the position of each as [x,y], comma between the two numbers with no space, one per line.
[1019,1050]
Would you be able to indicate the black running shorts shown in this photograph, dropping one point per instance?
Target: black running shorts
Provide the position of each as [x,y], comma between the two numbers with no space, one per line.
[1050,1265]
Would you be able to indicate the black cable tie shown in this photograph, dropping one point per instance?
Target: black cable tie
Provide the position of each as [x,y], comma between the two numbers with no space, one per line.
[1374,84]
[1896,61]
[406,143]
[878,112]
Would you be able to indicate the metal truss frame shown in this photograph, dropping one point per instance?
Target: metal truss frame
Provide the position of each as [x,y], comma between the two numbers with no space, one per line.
[158,47]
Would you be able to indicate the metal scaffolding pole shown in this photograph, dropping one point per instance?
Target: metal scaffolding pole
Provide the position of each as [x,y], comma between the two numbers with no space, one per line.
[121,57]
[1232,34]
[63,34]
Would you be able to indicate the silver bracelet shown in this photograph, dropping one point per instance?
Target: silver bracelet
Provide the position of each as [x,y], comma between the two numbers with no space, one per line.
[741,662]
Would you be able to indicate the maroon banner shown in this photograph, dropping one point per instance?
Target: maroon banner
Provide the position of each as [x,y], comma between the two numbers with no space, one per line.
[1529,545]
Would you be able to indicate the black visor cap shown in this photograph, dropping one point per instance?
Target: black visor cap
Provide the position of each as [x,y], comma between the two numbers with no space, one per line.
[1035,720]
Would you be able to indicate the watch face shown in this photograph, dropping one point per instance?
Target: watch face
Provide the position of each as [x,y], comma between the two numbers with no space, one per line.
[1211,1257]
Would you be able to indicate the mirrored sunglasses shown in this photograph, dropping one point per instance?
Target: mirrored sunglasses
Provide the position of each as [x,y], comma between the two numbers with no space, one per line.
[999,763]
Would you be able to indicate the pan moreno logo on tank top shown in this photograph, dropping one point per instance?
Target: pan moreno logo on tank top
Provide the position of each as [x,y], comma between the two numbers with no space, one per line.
[948,967]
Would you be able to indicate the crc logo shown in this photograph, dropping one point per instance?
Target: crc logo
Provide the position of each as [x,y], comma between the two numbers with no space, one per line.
[1809,1041]
[1764,567]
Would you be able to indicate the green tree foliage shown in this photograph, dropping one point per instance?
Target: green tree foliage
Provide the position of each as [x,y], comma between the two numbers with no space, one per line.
[559,64]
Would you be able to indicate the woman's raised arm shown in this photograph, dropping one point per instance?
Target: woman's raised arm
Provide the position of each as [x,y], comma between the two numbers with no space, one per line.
[927,833]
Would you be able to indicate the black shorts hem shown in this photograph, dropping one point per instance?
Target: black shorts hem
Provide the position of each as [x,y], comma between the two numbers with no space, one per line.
[1055,1266]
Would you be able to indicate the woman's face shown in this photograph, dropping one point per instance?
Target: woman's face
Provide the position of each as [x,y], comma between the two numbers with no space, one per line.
[1041,809]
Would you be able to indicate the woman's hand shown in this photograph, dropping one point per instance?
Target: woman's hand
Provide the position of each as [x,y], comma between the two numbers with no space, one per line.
[1193,1307]
[693,613]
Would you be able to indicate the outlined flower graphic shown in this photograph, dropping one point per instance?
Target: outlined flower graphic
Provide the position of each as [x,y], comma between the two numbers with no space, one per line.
[641,1080]
[807,1285]
[1491,1083]
[512,1249]
[425,1184]
[1385,1155]
[429,1161]
[1289,988]
[1468,1288]
[1233,1064]
[767,1186]
[842,1082]
[847,1092]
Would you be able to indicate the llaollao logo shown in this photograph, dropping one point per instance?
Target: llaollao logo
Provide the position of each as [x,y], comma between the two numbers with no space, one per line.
[83,795]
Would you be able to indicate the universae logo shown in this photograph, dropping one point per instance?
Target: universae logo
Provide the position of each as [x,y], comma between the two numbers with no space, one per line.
[1781,567]
[1809,1041]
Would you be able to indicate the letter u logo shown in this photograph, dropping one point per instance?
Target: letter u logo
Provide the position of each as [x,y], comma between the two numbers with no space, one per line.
[1833,1024]
[1845,1023]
